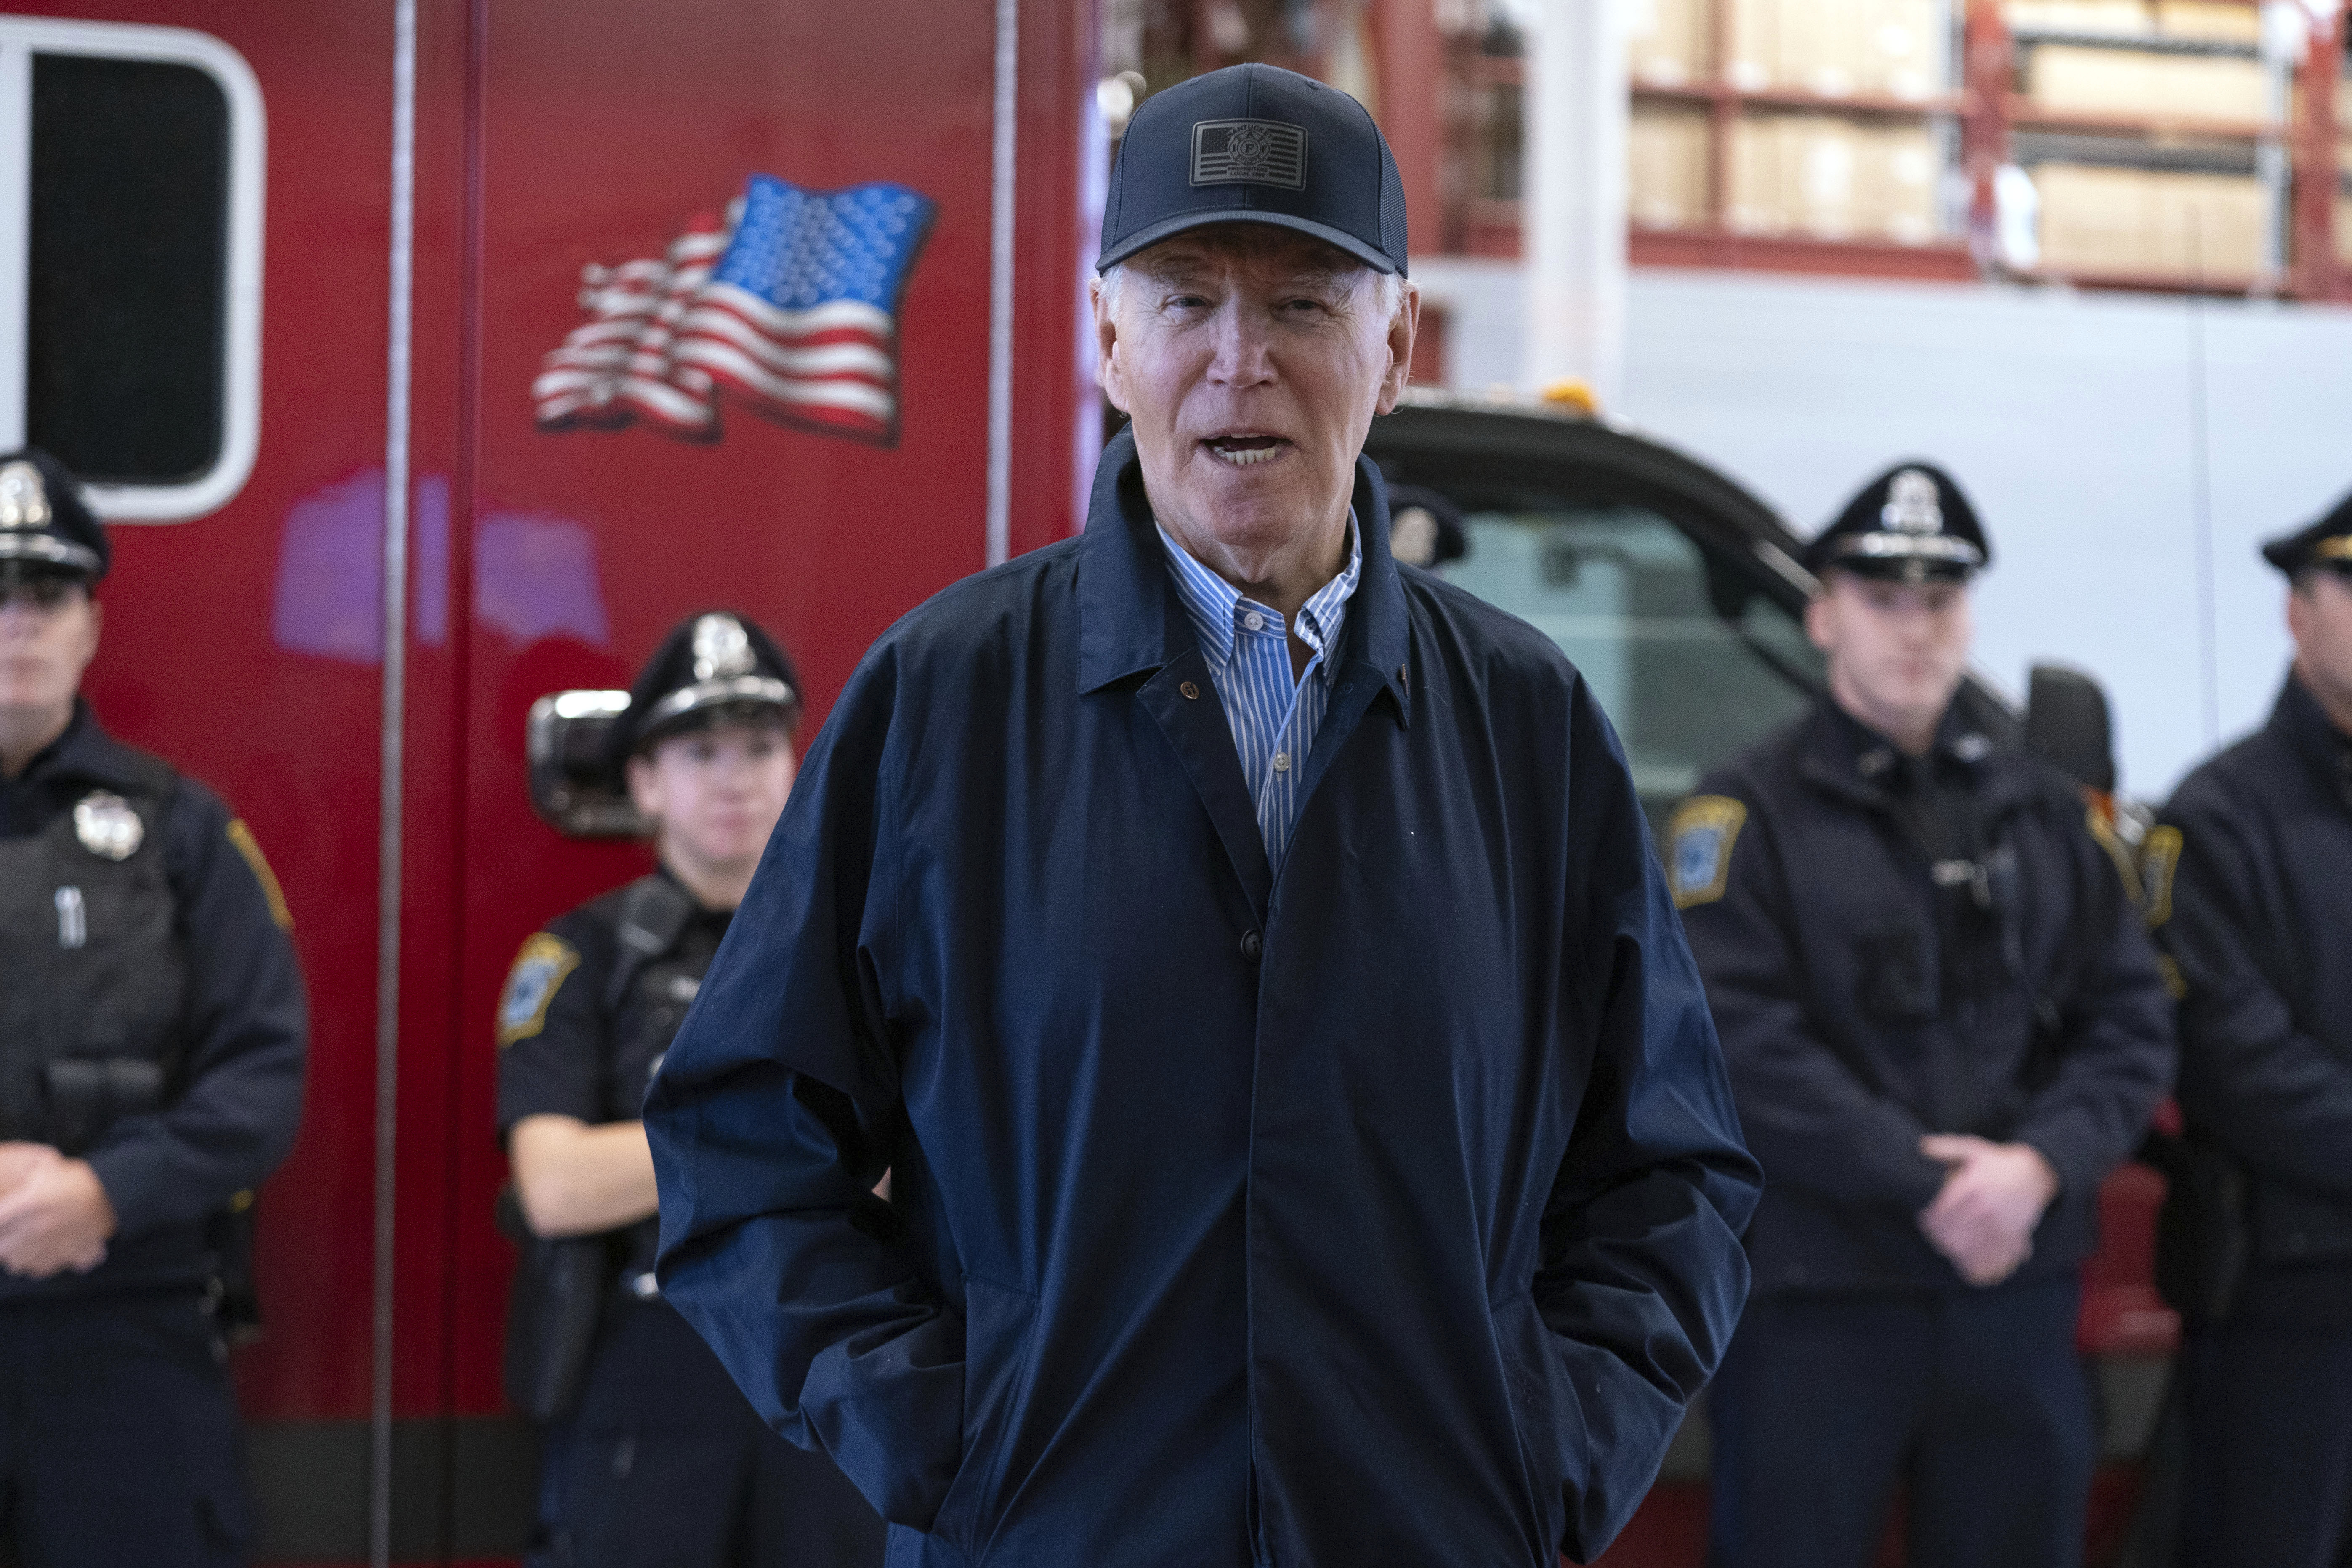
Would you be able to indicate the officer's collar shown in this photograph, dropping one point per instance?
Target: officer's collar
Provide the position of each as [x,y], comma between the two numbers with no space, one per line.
[86,751]
[2304,725]
[1851,758]
[698,909]
[1130,621]
[1875,756]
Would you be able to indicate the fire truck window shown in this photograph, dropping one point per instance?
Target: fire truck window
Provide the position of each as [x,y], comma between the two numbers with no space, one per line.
[1689,672]
[124,300]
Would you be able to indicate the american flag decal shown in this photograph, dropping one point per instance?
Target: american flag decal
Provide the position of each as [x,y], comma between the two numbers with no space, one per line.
[790,306]
[1249,153]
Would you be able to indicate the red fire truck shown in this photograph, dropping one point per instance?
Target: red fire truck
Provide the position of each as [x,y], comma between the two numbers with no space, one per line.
[380,331]
[282,278]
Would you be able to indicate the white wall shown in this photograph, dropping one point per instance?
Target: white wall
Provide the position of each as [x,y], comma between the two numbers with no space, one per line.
[2068,419]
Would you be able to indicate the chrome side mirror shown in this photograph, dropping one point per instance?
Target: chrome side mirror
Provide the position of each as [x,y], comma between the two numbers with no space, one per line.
[573,788]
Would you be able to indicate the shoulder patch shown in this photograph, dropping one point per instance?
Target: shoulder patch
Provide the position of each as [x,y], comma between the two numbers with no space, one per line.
[2158,858]
[538,974]
[1699,836]
[250,848]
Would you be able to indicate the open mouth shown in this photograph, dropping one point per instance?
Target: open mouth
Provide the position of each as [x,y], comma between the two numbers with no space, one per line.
[1242,449]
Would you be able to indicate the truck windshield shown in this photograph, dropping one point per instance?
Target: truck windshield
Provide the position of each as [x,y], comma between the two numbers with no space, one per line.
[1690,657]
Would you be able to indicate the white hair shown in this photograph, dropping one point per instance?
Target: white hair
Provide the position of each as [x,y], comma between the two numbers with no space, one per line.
[1388,290]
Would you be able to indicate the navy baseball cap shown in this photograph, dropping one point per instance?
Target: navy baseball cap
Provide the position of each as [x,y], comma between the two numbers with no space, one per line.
[1255,143]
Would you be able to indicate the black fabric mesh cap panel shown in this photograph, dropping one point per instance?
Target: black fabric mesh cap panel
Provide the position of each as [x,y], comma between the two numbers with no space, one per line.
[1392,215]
[1345,188]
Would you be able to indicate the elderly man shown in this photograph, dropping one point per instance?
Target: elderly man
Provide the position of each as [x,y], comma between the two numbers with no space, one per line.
[1308,1141]
[2249,884]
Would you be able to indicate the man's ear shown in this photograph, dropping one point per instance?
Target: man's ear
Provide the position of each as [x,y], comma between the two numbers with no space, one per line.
[1402,326]
[1108,369]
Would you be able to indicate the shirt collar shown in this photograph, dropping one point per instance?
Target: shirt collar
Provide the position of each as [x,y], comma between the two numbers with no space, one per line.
[1325,610]
[1130,621]
[1215,606]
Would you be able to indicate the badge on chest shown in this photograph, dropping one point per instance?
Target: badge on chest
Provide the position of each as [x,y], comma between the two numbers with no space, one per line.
[108,826]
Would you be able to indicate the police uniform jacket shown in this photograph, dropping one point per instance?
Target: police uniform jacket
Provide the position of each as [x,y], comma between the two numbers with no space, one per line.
[173,959]
[1384,1208]
[2249,882]
[1855,1021]
[593,1002]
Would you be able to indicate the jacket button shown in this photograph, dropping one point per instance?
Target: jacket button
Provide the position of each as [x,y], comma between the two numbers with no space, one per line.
[1252,946]
[1190,691]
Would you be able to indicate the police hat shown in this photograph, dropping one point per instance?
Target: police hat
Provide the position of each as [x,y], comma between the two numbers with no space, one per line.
[1426,528]
[712,666]
[1255,143]
[1911,524]
[45,528]
[2328,542]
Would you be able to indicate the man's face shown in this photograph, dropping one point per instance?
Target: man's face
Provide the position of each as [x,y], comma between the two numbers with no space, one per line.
[1252,361]
[714,792]
[48,634]
[2319,619]
[1898,650]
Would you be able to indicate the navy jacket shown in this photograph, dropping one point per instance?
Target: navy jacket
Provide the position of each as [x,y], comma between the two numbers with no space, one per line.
[245,1033]
[1383,1211]
[2250,877]
[1820,936]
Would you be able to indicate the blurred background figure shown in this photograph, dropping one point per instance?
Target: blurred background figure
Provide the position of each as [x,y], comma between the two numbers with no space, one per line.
[1944,1026]
[2250,886]
[1425,527]
[651,1453]
[151,1037]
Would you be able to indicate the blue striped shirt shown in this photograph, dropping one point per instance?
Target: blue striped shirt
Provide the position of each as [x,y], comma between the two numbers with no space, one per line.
[1248,645]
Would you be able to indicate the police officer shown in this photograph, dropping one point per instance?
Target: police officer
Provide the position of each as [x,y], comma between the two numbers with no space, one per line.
[1944,1025]
[664,1461]
[2249,874]
[151,1039]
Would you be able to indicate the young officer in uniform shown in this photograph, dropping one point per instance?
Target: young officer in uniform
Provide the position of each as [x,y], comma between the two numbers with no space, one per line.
[151,1039]
[1944,1025]
[664,1462]
[2250,883]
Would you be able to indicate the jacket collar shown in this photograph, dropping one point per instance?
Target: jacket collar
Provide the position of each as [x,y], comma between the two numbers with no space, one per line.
[1130,621]
[1849,758]
[2299,721]
[88,754]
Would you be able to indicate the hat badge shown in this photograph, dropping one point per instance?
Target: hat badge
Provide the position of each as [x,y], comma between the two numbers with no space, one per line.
[1249,153]
[1251,147]
[24,499]
[722,648]
[107,826]
[1912,504]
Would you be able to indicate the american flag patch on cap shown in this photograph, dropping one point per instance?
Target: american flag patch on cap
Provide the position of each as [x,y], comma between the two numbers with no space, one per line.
[1249,153]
